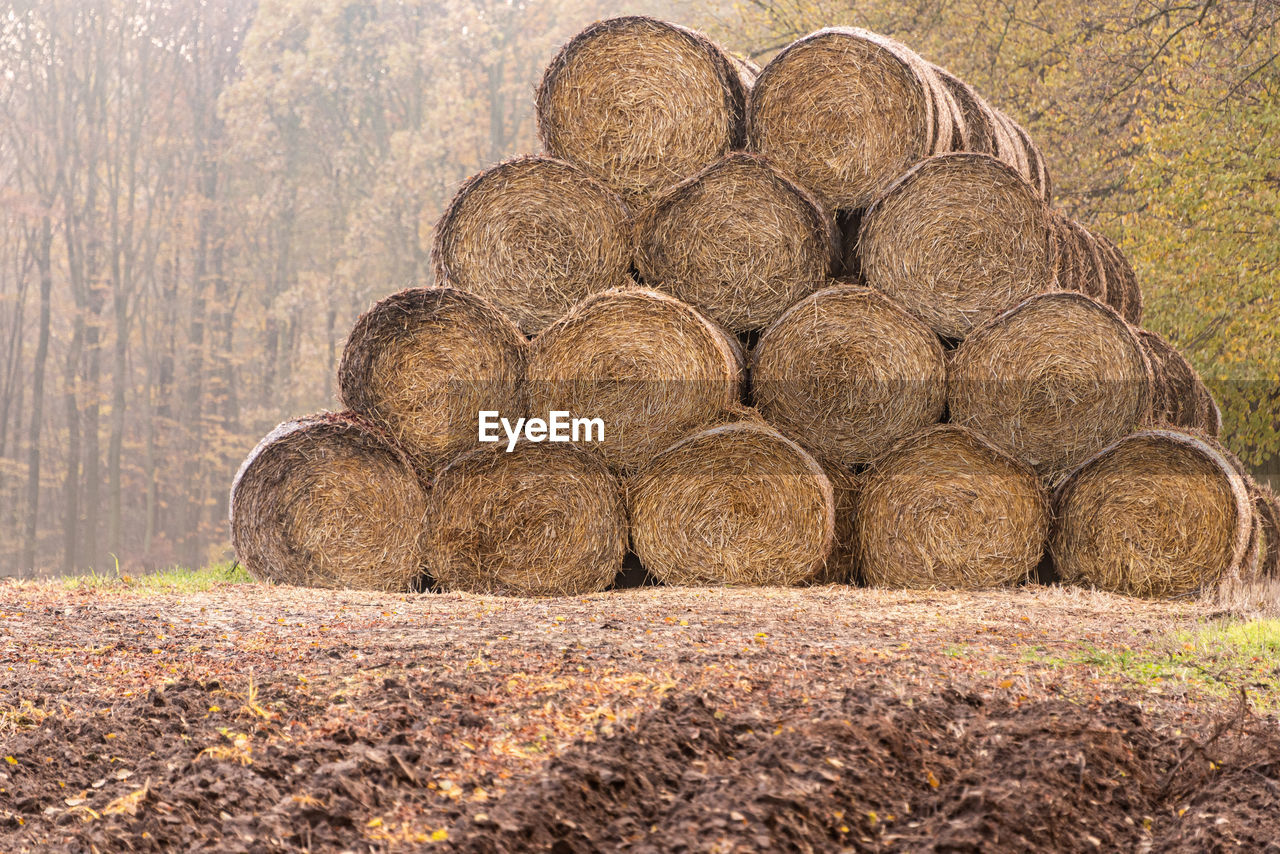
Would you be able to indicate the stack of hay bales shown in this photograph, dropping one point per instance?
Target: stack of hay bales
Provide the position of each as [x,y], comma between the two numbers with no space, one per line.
[831,324]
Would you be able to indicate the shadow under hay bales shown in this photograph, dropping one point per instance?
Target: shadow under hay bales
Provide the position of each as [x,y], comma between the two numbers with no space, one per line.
[634,575]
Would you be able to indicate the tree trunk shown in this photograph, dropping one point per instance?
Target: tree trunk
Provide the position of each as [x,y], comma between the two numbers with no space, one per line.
[44,263]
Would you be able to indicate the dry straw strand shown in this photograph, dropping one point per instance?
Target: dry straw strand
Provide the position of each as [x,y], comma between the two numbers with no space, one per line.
[542,520]
[328,501]
[846,111]
[1052,381]
[533,235]
[1160,513]
[424,362]
[739,241]
[738,503]
[956,240]
[947,509]
[650,366]
[847,373]
[642,103]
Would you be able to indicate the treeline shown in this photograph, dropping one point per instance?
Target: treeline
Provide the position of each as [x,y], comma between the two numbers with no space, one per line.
[197,198]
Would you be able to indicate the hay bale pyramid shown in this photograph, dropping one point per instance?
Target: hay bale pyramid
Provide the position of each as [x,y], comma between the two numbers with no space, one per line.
[831,329]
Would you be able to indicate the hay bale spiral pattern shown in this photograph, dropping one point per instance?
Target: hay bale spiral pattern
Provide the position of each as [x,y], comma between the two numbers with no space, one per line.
[1159,513]
[328,501]
[956,240]
[423,362]
[1052,381]
[739,241]
[542,520]
[847,373]
[652,367]
[847,111]
[533,235]
[735,504]
[947,509]
[641,103]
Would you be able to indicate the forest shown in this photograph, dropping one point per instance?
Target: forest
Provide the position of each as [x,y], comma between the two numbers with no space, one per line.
[198,198]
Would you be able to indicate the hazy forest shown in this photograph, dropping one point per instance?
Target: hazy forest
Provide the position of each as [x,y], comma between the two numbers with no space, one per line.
[197,198]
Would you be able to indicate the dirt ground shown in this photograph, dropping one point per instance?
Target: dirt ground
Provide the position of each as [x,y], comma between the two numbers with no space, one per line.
[253,718]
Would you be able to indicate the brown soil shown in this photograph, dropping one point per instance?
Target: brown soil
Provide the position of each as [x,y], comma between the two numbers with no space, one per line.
[260,719]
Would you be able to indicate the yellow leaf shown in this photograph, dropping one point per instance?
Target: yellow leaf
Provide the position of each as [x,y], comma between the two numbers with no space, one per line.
[128,803]
[11,760]
[440,835]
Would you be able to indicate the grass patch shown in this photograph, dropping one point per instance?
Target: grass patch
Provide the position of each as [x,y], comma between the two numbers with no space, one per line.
[1220,658]
[176,580]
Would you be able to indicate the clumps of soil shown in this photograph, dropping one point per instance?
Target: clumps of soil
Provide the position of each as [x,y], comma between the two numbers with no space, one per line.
[876,773]
[874,770]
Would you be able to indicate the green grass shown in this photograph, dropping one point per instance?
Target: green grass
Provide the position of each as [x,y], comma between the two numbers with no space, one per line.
[176,580]
[1219,658]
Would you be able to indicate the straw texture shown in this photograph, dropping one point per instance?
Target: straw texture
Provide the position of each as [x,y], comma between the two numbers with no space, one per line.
[542,520]
[1052,381]
[956,240]
[650,366]
[1181,397]
[947,509]
[533,235]
[641,103]
[846,111]
[735,504]
[1160,513]
[327,501]
[739,241]
[846,372]
[422,363]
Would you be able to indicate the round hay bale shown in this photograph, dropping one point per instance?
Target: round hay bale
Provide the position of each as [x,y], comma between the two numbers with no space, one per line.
[846,112]
[1084,270]
[1037,170]
[328,501]
[977,517]
[1052,381]
[1012,151]
[977,124]
[847,373]
[1181,398]
[736,504]
[542,520]
[424,362]
[1160,513]
[1069,261]
[651,367]
[1123,291]
[1266,509]
[641,103]
[533,235]
[957,240]
[738,241]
